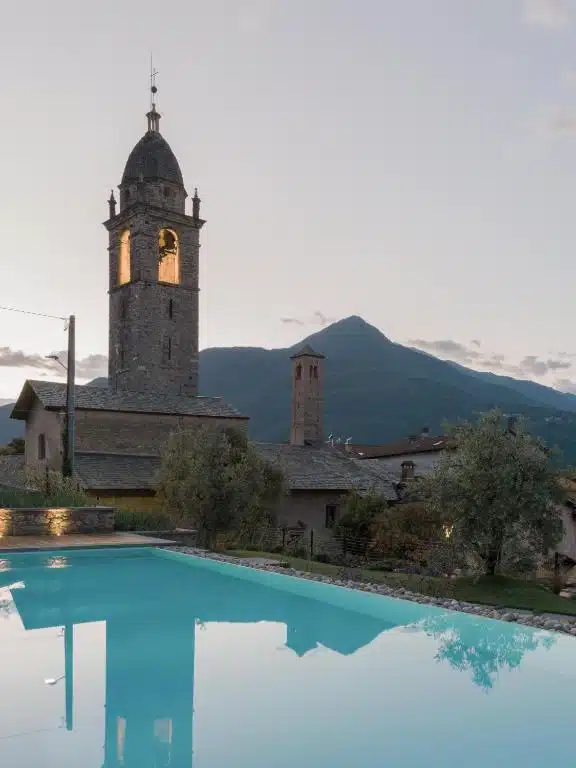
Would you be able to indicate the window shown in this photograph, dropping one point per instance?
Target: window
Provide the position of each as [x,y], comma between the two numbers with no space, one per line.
[121,355]
[298,372]
[330,515]
[310,371]
[123,304]
[124,258]
[315,371]
[171,309]
[167,350]
[168,257]
[41,446]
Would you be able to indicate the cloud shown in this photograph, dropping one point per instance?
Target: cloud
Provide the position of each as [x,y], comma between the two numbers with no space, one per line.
[565,385]
[86,368]
[291,321]
[529,367]
[317,319]
[448,348]
[563,125]
[553,14]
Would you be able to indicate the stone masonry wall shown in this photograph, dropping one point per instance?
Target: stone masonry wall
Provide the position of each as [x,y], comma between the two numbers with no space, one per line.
[309,507]
[56,522]
[144,433]
[153,337]
[48,423]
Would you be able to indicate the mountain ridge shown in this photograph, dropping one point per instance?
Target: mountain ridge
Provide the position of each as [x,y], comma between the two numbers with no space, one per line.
[376,389]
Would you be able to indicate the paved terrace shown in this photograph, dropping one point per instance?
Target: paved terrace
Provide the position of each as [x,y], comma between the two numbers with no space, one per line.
[78,541]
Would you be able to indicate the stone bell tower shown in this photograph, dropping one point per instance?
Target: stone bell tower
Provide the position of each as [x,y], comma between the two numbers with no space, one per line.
[154,247]
[307,397]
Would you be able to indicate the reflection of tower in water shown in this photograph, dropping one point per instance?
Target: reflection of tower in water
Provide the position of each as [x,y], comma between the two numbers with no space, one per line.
[149,692]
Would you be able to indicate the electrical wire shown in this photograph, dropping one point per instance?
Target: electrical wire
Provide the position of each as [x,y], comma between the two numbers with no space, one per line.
[37,314]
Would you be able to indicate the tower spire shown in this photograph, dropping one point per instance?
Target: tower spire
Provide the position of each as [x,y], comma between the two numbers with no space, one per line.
[153,116]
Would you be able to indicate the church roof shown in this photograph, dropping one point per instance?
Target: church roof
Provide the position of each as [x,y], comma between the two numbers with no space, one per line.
[52,396]
[307,351]
[116,472]
[311,468]
[305,468]
[152,158]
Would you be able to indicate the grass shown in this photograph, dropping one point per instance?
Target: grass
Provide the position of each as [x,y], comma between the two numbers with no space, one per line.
[499,591]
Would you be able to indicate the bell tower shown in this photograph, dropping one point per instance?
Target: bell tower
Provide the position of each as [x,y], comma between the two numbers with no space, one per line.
[307,397]
[153,251]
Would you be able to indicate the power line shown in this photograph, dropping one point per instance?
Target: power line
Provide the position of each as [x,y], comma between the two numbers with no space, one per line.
[37,314]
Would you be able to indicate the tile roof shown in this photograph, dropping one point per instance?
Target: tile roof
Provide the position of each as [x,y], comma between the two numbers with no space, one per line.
[402,447]
[305,468]
[116,472]
[314,468]
[52,396]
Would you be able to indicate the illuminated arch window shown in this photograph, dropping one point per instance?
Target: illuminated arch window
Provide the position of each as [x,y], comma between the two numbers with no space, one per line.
[124,258]
[168,257]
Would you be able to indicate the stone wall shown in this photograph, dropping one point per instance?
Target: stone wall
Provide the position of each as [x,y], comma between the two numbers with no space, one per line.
[55,522]
[308,507]
[145,433]
[153,334]
[48,423]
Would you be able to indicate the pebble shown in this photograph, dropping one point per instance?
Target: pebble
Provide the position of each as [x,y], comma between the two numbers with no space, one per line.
[566,626]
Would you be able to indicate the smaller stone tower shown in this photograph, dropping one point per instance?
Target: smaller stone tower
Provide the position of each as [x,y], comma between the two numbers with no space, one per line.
[307,397]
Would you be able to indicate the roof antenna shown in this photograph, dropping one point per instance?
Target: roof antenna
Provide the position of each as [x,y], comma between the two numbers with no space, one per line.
[153,116]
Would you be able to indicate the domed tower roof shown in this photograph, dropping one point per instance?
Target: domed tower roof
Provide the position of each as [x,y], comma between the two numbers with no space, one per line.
[152,158]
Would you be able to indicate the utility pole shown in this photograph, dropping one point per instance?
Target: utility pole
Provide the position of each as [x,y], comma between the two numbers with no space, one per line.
[70,400]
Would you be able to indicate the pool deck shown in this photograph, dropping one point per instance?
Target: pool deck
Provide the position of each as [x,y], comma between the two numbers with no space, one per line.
[78,541]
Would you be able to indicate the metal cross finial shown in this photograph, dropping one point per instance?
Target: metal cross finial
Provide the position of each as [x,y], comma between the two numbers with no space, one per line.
[153,86]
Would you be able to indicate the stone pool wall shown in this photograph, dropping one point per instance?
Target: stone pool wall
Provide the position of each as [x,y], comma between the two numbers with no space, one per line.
[56,521]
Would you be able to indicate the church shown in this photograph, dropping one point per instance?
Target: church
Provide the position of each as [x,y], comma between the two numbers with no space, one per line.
[153,245]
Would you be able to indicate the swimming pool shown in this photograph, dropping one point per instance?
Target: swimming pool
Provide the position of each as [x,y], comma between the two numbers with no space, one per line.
[154,659]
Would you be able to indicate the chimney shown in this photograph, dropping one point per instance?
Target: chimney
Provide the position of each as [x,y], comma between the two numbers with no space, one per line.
[307,426]
[407,470]
[425,432]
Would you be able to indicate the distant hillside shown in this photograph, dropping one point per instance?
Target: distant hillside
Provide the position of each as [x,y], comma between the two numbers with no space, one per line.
[376,390]
[8,427]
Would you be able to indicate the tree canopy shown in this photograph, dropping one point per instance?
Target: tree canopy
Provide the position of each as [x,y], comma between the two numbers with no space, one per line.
[214,479]
[498,492]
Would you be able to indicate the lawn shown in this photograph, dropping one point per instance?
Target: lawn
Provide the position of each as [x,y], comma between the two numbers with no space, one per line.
[498,591]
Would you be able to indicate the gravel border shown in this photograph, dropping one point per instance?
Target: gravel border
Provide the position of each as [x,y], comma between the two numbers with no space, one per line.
[547,621]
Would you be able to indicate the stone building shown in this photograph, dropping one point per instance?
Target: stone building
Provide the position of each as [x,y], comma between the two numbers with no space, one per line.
[408,458]
[153,365]
[153,339]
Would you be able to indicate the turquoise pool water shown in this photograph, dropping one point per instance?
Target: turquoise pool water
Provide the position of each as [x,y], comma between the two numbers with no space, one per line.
[145,659]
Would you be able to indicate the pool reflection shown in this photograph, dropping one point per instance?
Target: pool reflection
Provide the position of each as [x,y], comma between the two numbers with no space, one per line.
[151,640]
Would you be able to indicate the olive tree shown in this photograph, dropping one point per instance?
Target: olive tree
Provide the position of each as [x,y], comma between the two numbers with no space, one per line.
[498,492]
[214,479]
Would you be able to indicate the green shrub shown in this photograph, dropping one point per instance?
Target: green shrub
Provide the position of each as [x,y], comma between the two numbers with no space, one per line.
[47,489]
[141,520]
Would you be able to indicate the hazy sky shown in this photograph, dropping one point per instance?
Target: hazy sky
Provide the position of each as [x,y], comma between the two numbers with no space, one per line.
[410,161]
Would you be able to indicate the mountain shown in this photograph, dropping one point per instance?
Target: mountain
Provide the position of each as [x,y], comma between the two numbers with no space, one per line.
[376,390]
[8,427]
[544,395]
